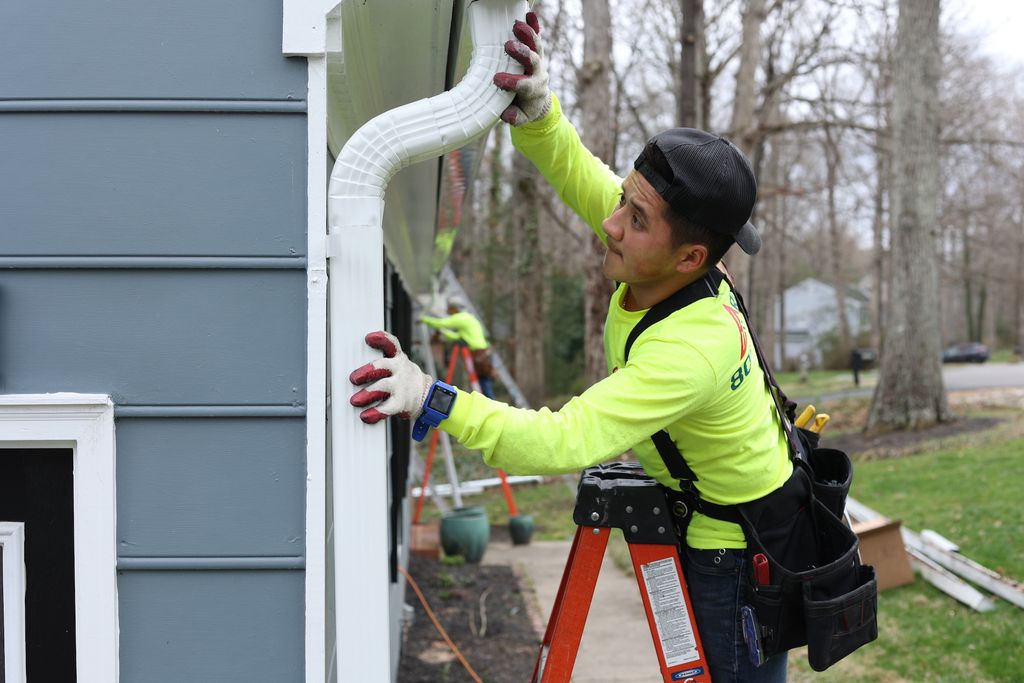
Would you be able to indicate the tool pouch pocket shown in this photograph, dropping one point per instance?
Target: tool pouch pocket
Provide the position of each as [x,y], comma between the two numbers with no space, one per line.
[779,616]
[832,474]
[818,593]
[830,470]
[837,626]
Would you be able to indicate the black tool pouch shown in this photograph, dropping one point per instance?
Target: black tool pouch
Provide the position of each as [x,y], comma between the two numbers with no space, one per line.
[818,593]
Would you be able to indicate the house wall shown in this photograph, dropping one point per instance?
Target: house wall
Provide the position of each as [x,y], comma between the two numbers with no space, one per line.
[811,315]
[153,221]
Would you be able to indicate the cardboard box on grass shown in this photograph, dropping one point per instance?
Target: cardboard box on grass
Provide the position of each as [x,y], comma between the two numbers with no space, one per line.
[881,546]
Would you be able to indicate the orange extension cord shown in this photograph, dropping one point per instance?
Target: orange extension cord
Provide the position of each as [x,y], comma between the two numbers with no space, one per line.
[437,625]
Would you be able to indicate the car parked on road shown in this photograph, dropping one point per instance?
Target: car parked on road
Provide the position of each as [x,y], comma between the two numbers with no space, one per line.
[969,352]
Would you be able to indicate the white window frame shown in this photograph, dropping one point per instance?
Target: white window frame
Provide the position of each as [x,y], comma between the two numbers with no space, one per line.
[83,423]
[12,539]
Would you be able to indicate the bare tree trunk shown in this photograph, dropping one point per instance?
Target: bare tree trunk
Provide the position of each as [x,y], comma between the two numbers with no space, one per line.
[910,391]
[882,181]
[990,305]
[988,297]
[494,230]
[773,260]
[782,232]
[835,240]
[1019,295]
[468,249]
[689,94]
[743,128]
[529,282]
[594,81]
[968,281]
[744,102]
[1018,278]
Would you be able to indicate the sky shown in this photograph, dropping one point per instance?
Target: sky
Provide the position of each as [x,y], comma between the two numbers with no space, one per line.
[1001,20]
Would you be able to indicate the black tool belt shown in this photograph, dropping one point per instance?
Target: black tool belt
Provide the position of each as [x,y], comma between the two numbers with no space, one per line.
[803,575]
[815,591]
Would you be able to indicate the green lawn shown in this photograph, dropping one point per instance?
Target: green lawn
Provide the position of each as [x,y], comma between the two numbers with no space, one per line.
[1004,356]
[822,382]
[970,495]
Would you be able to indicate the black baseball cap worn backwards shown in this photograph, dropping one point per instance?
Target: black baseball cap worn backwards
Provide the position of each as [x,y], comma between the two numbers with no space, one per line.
[705,179]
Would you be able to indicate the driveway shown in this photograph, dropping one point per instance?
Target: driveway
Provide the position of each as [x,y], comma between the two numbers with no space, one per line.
[982,375]
[955,376]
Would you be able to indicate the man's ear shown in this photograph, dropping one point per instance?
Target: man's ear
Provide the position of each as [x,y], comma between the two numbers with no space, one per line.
[692,258]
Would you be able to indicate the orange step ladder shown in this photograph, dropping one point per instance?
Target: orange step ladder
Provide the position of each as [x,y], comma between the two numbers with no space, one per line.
[620,495]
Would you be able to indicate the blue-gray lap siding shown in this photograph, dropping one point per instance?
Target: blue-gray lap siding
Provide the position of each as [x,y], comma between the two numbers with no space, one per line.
[153,223]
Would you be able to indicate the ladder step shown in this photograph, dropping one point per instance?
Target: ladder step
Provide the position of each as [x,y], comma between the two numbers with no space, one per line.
[621,495]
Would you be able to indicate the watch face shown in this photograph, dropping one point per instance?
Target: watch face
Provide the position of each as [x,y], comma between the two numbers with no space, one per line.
[441,400]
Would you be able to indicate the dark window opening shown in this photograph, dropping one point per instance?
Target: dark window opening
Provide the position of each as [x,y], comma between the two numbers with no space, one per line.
[398,317]
[37,488]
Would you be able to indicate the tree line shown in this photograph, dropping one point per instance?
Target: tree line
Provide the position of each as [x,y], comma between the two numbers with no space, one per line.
[888,150]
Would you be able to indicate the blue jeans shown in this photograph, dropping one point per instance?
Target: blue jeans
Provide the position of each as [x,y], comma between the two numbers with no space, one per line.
[487,386]
[713,578]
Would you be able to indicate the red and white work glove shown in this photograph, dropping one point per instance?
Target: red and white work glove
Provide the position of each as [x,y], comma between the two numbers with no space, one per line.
[533,99]
[395,381]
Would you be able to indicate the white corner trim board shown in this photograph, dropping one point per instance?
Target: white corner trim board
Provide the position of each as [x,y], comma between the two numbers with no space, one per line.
[83,423]
[316,372]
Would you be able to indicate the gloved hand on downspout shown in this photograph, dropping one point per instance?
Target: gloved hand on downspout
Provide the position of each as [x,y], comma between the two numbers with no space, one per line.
[395,381]
[533,99]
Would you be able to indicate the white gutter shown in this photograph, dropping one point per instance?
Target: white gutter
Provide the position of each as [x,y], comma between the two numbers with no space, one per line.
[355,249]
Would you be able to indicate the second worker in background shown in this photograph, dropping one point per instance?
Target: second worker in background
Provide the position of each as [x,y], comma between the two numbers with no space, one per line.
[462,327]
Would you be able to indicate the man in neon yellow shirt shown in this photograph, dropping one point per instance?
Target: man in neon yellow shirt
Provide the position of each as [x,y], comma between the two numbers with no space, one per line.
[693,374]
[461,326]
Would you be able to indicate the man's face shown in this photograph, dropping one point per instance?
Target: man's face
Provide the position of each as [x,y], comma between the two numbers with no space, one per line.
[640,251]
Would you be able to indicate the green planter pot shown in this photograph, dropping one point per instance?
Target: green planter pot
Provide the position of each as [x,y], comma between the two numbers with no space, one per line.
[466,531]
[520,528]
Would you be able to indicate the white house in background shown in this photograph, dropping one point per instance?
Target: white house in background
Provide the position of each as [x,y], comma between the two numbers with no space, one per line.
[811,314]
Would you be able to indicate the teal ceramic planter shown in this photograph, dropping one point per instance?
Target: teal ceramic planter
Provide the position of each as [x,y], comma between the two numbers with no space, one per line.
[466,531]
[520,527]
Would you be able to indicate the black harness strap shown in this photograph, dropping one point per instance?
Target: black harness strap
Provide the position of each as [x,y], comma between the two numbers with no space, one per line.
[703,288]
[674,461]
[786,408]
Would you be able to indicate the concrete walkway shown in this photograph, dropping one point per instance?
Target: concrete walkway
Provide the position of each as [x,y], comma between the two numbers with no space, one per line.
[616,645]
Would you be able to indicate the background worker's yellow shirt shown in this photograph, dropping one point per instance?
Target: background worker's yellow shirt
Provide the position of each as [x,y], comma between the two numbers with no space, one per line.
[695,374]
[462,326]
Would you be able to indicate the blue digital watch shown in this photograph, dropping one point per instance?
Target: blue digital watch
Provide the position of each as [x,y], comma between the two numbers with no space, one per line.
[436,407]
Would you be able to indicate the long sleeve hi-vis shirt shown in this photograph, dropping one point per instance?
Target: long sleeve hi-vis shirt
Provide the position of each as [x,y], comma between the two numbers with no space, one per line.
[694,374]
[461,326]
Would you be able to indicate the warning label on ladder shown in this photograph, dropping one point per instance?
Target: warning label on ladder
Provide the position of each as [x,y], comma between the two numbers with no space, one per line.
[675,628]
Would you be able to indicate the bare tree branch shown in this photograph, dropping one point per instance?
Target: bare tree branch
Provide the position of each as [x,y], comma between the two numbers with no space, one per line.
[545,203]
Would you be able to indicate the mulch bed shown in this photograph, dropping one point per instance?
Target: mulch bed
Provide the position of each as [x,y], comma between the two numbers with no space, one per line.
[484,612]
[896,444]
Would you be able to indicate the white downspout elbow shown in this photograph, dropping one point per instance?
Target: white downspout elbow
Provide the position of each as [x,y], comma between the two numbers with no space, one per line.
[380,148]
